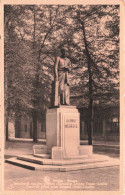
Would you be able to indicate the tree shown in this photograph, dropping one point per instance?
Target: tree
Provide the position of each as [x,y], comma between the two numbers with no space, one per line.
[43,19]
[33,34]
[11,59]
[101,61]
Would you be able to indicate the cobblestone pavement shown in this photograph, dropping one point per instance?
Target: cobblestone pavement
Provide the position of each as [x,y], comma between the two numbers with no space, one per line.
[99,179]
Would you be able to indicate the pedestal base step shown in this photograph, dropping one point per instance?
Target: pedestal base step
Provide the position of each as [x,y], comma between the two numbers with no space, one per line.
[35,163]
[46,156]
[86,159]
[20,163]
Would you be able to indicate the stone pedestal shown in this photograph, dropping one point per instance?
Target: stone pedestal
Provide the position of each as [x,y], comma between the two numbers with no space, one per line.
[63,132]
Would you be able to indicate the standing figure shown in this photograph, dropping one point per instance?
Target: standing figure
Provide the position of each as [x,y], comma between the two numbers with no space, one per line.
[62,91]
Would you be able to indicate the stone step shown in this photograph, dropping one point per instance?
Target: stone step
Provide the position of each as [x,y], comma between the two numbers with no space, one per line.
[63,168]
[46,156]
[88,159]
[88,166]
[20,163]
[76,157]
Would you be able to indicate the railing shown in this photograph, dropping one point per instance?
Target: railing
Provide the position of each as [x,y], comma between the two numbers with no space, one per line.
[99,129]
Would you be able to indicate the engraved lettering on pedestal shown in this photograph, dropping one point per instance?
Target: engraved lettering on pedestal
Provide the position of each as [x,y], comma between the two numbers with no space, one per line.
[71,123]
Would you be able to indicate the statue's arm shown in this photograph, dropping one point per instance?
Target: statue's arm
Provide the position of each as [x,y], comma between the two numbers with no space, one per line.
[56,68]
[69,66]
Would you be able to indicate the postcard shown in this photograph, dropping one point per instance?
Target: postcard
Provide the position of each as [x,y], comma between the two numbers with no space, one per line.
[62,97]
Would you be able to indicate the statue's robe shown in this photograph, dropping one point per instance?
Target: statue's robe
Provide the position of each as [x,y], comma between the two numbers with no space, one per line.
[62,91]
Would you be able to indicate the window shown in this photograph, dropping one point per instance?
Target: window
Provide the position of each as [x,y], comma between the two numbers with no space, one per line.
[30,126]
[25,128]
[115,119]
[31,132]
[42,127]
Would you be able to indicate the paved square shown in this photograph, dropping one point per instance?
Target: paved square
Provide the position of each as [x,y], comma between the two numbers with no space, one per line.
[100,179]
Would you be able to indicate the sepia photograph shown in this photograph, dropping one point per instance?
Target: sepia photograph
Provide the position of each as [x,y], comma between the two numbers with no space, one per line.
[61,97]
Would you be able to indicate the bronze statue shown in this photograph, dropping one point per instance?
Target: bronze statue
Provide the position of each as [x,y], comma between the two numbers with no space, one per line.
[61,79]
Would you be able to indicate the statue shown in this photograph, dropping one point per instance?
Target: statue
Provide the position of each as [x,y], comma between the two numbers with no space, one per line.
[61,79]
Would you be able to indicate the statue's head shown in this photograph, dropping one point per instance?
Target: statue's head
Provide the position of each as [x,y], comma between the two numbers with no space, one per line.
[63,51]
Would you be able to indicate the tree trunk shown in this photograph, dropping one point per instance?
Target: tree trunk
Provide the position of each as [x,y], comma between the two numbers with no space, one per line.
[7,134]
[34,114]
[90,130]
[90,107]
[34,117]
